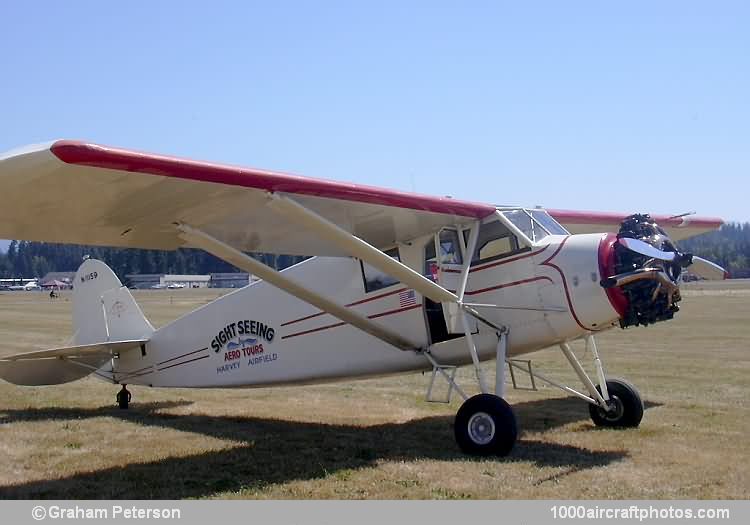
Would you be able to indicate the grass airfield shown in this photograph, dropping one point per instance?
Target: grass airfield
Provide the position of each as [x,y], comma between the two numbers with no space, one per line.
[379,438]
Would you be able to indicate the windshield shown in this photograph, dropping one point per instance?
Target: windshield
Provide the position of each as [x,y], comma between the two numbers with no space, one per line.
[536,224]
[549,224]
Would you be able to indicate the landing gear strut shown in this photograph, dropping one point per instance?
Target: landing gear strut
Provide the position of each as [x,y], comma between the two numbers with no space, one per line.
[485,425]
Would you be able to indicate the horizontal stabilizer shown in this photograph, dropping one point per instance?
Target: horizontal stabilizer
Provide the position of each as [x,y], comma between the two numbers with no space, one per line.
[61,365]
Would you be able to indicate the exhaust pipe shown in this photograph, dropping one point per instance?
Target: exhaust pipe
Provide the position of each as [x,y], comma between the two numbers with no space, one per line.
[653,274]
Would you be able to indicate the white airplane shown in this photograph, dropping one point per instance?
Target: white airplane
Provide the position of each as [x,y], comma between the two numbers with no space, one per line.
[29,286]
[400,282]
[25,284]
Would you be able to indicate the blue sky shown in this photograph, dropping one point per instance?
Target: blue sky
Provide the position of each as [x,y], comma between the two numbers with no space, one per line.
[627,106]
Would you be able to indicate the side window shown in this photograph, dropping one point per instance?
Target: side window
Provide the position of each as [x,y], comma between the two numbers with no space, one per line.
[373,278]
[495,248]
[450,253]
[495,241]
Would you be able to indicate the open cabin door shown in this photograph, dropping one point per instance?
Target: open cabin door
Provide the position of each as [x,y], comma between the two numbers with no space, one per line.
[444,257]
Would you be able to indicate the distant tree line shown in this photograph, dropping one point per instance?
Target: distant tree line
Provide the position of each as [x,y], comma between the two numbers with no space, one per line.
[36,259]
[729,247]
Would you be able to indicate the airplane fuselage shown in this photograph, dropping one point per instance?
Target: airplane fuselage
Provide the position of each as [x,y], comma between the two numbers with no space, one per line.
[259,336]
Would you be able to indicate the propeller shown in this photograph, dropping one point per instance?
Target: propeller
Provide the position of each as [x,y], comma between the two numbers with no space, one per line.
[644,248]
[707,270]
[698,265]
[649,266]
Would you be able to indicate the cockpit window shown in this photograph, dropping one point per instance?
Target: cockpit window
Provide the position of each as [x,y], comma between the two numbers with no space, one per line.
[522,221]
[373,278]
[549,224]
[535,224]
[495,241]
[450,252]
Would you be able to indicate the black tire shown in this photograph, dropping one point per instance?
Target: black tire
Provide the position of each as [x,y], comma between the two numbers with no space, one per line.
[485,426]
[627,406]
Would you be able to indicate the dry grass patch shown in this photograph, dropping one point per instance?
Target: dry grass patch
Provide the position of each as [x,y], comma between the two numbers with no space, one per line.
[379,438]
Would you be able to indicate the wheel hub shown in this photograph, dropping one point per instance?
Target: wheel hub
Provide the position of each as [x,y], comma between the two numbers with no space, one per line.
[481,428]
[615,409]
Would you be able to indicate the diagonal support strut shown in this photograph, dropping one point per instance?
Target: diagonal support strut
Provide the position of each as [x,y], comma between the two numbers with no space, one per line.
[233,256]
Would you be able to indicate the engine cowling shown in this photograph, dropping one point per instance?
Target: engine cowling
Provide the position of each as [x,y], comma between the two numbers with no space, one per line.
[643,285]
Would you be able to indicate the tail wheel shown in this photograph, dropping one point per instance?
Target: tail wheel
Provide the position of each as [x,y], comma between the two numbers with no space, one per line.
[485,425]
[626,406]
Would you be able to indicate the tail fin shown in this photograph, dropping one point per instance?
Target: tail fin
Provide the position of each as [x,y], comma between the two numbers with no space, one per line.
[103,309]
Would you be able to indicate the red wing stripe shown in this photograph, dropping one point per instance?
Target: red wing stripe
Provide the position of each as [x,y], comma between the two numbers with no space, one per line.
[598,217]
[185,362]
[83,154]
[183,355]
[361,301]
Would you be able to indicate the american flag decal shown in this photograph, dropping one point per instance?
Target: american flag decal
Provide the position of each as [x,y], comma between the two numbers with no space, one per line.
[407,298]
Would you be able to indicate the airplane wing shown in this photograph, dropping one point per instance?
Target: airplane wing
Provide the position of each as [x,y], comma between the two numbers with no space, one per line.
[61,365]
[678,228]
[74,192]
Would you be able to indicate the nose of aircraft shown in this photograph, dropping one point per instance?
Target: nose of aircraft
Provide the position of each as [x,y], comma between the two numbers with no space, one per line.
[578,262]
[641,288]
[641,268]
[604,283]
[631,277]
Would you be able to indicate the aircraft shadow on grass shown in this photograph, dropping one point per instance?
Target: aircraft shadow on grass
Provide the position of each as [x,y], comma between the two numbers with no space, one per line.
[272,451]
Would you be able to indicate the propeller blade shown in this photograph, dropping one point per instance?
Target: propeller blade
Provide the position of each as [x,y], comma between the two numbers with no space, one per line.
[646,249]
[706,269]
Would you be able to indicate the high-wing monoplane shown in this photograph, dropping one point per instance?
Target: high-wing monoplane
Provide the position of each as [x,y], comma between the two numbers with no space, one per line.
[399,282]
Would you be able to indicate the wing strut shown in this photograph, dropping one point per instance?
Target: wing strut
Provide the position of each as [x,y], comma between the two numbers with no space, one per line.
[356,247]
[233,256]
[371,255]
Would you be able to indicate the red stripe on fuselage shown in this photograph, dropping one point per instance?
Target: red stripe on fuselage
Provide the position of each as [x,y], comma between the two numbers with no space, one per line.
[373,316]
[500,262]
[361,301]
[508,285]
[184,362]
[565,284]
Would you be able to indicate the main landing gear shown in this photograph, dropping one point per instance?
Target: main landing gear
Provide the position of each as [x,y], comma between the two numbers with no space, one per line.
[486,425]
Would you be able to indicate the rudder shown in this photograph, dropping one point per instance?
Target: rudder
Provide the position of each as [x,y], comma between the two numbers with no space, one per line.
[104,309]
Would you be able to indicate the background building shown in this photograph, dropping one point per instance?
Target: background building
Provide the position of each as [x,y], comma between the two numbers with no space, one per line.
[159,280]
[145,281]
[231,280]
